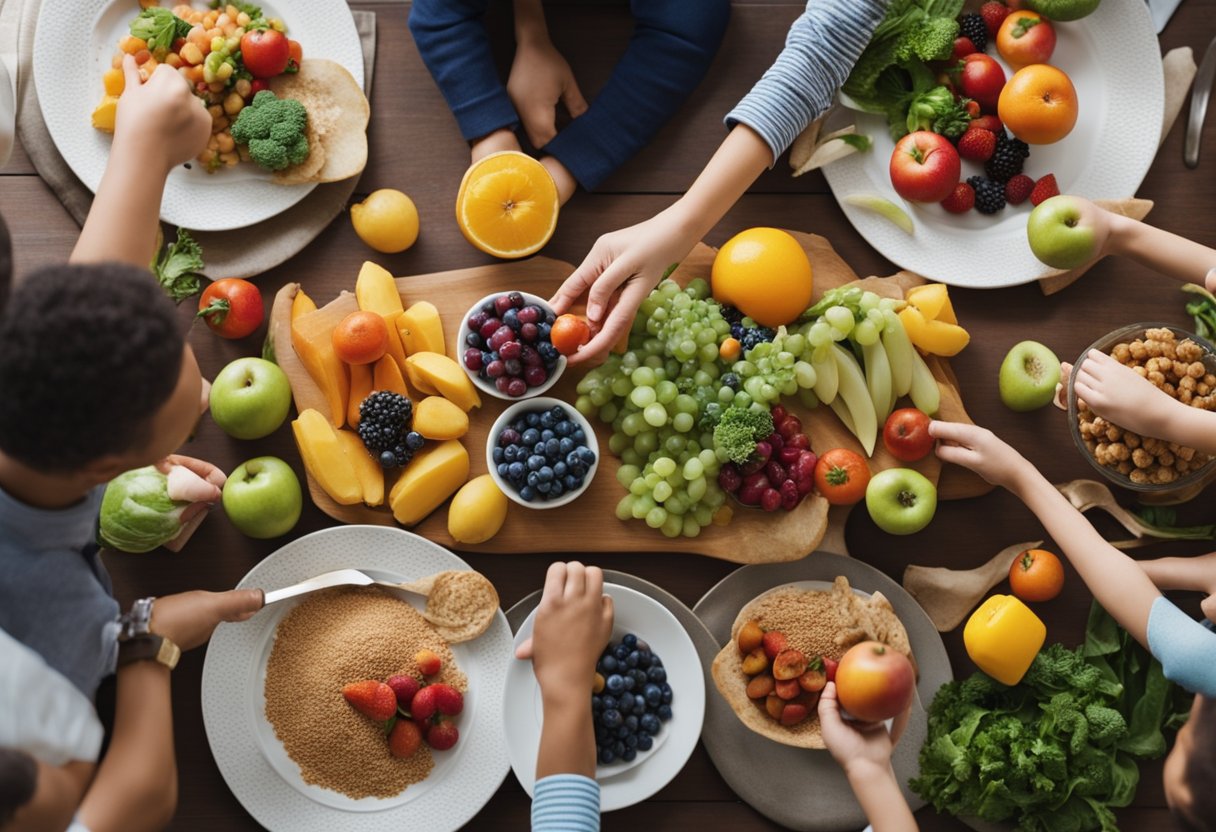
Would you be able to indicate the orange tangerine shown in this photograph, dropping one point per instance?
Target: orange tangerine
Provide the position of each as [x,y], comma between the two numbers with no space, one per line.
[1039,104]
[361,338]
[507,205]
[765,274]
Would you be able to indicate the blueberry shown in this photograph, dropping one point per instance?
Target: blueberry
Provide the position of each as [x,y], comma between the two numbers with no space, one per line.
[552,449]
[560,470]
[498,455]
[516,470]
[621,652]
[547,351]
[473,340]
[644,659]
[388,459]
[565,446]
[654,659]
[511,319]
[606,756]
[618,748]
[597,702]
[623,732]
[513,367]
[557,490]
[535,462]
[545,330]
[586,456]
[530,437]
[544,487]
[539,449]
[667,693]
[625,701]
[639,705]
[657,674]
[572,459]
[614,683]
[631,660]
[486,357]
[645,742]
[649,723]
[547,420]
[533,419]
[488,307]
[630,682]
[664,712]
[570,482]
[546,435]
[630,754]
[609,702]
[533,478]
[545,474]
[631,722]
[527,493]
[608,663]
[519,426]
[630,641]
[503,468]
[638,676]
[631,743]
[653,695]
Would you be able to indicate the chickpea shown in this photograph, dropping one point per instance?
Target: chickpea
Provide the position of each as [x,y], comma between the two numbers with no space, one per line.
[1153,348]
[233,104]
[1138,476]
[1139,353]
[1167,458]
[1156,378]
[1141,458]
[225,143]
[243,88]
[220,124]
[1122,353]
[1125,468]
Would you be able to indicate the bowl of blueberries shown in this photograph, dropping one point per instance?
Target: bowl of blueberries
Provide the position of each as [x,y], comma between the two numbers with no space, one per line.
[542,453]
[631,700]
[506,347]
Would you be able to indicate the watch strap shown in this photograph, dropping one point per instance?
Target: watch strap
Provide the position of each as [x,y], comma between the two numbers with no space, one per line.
[149,647]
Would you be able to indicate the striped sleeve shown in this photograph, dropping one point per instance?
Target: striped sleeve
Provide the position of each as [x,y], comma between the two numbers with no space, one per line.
[566,803]
[1185,648]
[820,50]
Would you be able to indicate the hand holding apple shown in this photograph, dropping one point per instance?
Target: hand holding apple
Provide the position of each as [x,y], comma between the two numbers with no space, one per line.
[906,434]
[1122,397]
[924,167]
[1066,231]
[875,682]
[851,743]
[980,450]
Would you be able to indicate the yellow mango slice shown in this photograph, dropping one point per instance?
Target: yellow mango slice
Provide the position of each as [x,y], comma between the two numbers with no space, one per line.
[477,511]
[929,299]
[360,388]
[386,376]
[367,470]
[432,477]
[325,459]
[421,329]
[947,315]
[444,376]
[106,113]
[394,339]
[437,418]
[312,339]
[376,291]
[934,337]
[302,304]
[114,81]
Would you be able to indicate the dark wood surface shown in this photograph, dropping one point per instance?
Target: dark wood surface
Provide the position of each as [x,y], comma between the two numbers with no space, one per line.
[415,147]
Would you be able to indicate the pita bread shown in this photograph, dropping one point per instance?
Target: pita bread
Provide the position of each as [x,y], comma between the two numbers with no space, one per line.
[338,113]
[819,624]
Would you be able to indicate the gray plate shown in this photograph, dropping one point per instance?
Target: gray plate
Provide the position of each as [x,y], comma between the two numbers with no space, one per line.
[801,788]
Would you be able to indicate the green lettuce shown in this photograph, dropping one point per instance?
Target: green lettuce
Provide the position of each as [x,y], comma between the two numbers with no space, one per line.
[136,512]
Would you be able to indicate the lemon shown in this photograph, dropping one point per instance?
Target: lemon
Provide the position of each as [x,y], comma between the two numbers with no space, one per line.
[387,221]
[765,274]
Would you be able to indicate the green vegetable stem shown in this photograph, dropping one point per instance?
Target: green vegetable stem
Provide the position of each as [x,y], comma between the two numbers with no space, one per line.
[1202,309]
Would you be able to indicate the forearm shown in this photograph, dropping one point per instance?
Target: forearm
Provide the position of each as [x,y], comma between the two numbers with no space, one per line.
[136,784]
[56,796]
[567,737]
[1196,574]
[1190,427]
[125,215]
[530,25]
[1170,254]
[741,158]
[880,798]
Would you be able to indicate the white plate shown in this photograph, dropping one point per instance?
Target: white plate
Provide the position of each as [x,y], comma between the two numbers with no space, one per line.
[253,761]
[620,786]
[1114,61]
[74,44]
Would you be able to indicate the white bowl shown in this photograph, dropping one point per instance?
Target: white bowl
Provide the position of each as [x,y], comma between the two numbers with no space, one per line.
[488,387]
[514,412]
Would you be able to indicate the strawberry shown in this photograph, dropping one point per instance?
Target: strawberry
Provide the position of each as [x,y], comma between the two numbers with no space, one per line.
[990,123]
[1018,189]
[428,663]
[373,699]
[829,668]
[405,687]
[972,106]
[962,48]
[959,202]
[1044,189]
[774,642]
[405,739]
[442,736]
[994,14]
[977,145]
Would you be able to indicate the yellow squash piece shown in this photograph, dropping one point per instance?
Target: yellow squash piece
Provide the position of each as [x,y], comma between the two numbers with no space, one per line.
[444,376]
[477,511]
[432,477]
[1002,637]
[376,291]
[437,418]
[302,304]
[367,470]
[114,81]
[106,113]
[360,388]
[324,458]
[312,338]
[933,337]
[422,329]
[386,376]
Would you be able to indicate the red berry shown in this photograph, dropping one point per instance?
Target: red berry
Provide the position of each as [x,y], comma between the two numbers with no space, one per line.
[501,382]
[994,14]
[990,123]
[535,376]
[790,497]
[1018,189]
[472,359]
[1044,189]
[371,698]
[428,662]
[405,739]
[977,145]
[962,48]
[516,387]
[405,687]
[443,736]
[770,500]
[488,328]
[789,427]
[960,200]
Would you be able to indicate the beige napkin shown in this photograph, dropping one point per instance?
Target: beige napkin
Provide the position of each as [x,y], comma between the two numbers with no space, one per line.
[947,595]
[227,254]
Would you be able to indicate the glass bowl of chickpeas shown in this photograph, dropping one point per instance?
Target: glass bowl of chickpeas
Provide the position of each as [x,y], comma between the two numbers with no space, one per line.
[1181,364]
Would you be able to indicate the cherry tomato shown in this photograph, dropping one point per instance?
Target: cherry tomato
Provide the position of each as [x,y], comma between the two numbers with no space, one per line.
[906,435]
[841,476]
[231,307]
[1036,575]
[297,55]
[255,86]
[265,52]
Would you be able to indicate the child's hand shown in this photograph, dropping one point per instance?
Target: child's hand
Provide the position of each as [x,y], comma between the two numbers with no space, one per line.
[978,449]
[188,618]
[573,623]
[162,120]
[852,743]
[540,78]
[1122,396]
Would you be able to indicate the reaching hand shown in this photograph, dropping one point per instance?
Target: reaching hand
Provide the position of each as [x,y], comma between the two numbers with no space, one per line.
[852,743]
[540,78]
[188,618]
[618,273]
[573,623]
[162,118]
[1120,395]
[979,449]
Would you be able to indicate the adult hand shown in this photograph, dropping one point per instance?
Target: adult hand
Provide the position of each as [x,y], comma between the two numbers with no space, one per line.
[852,743]
[573,623]
[162,121]
[541,78]
[978,449]
[188,618]
[1120,395]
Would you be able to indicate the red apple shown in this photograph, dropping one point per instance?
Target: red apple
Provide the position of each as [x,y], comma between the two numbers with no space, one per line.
[924,167]
[906,434]
[874,682]
[982,79]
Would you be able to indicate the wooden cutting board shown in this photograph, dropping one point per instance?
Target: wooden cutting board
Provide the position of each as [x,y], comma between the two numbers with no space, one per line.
[589,523]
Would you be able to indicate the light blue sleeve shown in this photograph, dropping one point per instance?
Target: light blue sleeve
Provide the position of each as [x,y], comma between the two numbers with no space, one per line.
[566,803]
[820,50]
[1185,648]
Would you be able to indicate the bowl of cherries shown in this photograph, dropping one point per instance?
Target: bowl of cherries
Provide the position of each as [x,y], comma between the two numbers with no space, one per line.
[780,473]
[506,345]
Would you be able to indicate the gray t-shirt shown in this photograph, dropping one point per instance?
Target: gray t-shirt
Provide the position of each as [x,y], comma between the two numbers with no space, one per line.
[55,594]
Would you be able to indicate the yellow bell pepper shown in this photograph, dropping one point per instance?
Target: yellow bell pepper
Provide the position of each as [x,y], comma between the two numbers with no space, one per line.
[1002,637]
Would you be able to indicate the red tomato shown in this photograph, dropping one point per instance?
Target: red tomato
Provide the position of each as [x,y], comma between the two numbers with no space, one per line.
[874,682]
[906,435]
[231,307]
[255,86]
[841,476]
[982,78]
[265,52]
[297,55]
[1036,575]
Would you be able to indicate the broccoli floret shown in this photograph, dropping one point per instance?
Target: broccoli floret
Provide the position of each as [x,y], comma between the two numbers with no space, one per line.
[739,430]
[275,130]
[1106,725]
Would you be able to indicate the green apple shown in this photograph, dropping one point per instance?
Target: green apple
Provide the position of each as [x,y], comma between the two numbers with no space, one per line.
[250,398]
[901,501]
[1063,9]
[1061,233]
[1029,375]
[262,497]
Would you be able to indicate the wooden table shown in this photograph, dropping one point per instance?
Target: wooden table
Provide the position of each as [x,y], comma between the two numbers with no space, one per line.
[415,147]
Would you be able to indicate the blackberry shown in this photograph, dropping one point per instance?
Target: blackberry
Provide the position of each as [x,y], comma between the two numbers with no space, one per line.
[732,315]
[1007,159]
[973,27]
[756,335]
[731,380]
[384,427]
[989,195]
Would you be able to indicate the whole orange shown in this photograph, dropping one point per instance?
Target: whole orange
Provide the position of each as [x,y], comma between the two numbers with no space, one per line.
[361,338]
[1039,104]
[1036,575]
[765,274]
[569,333]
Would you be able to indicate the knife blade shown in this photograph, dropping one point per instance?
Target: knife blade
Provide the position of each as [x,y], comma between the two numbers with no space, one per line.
[1200,93]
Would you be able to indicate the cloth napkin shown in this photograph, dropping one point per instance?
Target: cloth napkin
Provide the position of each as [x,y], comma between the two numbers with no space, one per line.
[227,254]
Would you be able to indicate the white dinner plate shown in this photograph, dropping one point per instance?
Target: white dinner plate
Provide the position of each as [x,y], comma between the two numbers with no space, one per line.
[621,785]
[1114,61]
[252,760]
[74,44]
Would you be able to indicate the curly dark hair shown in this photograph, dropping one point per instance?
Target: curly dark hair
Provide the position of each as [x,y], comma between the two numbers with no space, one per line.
[88,354]
[1201,772]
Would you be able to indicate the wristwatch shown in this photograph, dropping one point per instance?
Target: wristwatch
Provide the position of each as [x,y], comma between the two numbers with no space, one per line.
[136,641]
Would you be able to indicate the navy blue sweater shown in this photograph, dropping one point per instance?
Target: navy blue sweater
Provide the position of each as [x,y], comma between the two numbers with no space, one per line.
[672,46]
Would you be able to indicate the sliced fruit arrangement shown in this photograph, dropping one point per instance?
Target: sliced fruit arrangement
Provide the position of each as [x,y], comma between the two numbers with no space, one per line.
[411,709]
[784,682]
[631,699]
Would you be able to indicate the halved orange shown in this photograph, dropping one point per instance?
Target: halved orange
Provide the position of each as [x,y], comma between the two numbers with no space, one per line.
[507,205]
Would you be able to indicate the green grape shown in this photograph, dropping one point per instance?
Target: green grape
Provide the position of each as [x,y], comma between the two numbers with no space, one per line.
[785,359]
[662,491]
[638,487]
[656,517]
[704,515]
[588,383]
[805,375]
[840,318]
[617,443]
[674,443]
[664,466]
[642,396]
[691,527]
[676,504]
[624,508]
[652,478]
[866,333]
[709,460]
[631,457]
[666,392]
[693,469]
[705,337]
[655,415]
[725,395]
[601,396]
[621,387]
[632,425]
[584,406]
[643,377]
[672,526]
[715,497]
[697,488]
[789,387]
[687,404]
[627,474]
[609,412]
[702,379]
[742,399]
[745,369]
[795,344]
[869,300]
[890,304]
[820,334]
[768,393]
[642,506]
[683,422]
[708,352]
[646,442]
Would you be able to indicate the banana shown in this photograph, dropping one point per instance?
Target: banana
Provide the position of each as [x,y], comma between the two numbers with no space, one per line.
[899,354]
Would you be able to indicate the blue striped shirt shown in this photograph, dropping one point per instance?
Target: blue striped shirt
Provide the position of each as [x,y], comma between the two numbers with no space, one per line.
[820,50]
[566,803]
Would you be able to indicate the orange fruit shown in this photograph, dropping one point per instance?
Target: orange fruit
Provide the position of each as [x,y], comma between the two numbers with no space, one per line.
[569,333]
[507,205]
[1039,104]
[1036,575]
[361,338]
[765,274]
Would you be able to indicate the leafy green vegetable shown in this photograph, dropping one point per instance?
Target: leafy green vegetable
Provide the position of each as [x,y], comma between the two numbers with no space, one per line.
[1202,309]
[248,8]
[159,27]
[275,129]
[739,430]
[856,140]
[136,512]
[178,267]
[1160,521]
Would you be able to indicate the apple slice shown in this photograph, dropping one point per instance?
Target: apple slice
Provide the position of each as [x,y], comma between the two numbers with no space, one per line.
[883,207]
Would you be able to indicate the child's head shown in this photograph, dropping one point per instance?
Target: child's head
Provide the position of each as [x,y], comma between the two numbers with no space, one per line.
[95,374]
[1190,770]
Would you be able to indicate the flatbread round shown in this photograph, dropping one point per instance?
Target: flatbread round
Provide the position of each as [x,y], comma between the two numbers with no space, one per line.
[338,113]
[816,622]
